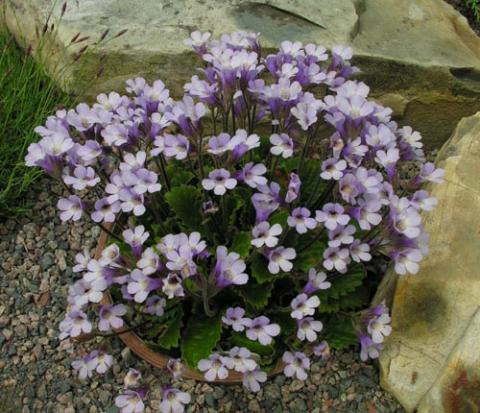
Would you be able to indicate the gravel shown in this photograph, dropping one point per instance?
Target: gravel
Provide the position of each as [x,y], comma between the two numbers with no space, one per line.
[36,255]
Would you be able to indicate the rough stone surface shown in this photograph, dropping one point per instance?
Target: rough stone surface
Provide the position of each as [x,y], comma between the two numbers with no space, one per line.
[422,51]
[431,362]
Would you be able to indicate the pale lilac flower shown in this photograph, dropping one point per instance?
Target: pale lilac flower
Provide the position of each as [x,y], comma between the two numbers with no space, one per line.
[368,349]
[280,259]
[174,401]
[413,138]
[266,201]
[104,211]
[308,329]
[135,85]
[341,236]
[219,180]
[155,305]
[296,365]
[407,221]
[367,213]
[181,259]
[422,200]
[379,327]
[316,281]
[197,39]
[388,159]
[293,190]
[406,260]
[109,255]
[260,329]
[252,174]
[71,207]
[336,258]
[82,177]
[379,136]
[172,286]
[306,112]
[149,261]
[252,378]
[176,368]
[303,305]
[82,118]
[350,188]
[175,146]
[81,293]
[355,107]
[95,275]
[332,215]
[75,324]
[82,366]
[111,316]
[333,169]
[132,379]
[242,142]
[284,90]
[204,91]
[300,220]
[353,88]
[242,359]
[136,237]
[82,260]
[234,317]
[115,135]
[215,367]
[431,174]
[131,401]
[322,350]
[99,361]
[140,285]
[218,145]
[264,234]
[111,101]
[229,268]
[282,145]
[360,251]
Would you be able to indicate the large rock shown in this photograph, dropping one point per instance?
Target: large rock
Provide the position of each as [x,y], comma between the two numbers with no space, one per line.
[431,362]
[419,56]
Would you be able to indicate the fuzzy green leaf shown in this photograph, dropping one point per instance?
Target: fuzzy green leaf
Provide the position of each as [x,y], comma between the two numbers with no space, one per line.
[200,338]
[279,218]
[256,295]
[344,283]
[177,173]
[340,333]
[238,339]
[170,337]
[259,270]
[311,256]
[185,201]
[354,300]
[242,243]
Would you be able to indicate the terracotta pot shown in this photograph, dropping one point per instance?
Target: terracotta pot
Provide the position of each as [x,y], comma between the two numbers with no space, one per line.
[137,346]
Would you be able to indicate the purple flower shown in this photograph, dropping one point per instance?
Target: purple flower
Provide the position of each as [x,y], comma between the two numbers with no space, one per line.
[71,207]
[155,305]
[336,258]
[252,378]
[406,260]
[266,201]
[175,146]
[242,143]
[282,145]
[99,361]
[135,238]
[293,190]
[82,178]
[331,216]
[204,91]
[368,349]
[95,275]
[234,317]
[378,325]
[140,285]
[75,324]
[84,369]
[264,234]
[131,401]
[132,379]
[174,400]
[229,268]
[316,281]
[341,236]
[111,316]
[260,329]
[218,145]
[104,211]
[149,261]
[350,188]
[431,174]
[181,260]
[306,110]
[366,213]
[303,305]
[252,174]
[322,350]
[301,221]
[176,368]
[406,220]
[296,364]
[333,169]
[308,329]
[242,359]
[82,261]
[172,286]
[360,251]
[215,367]
[280,259]
[422,200]
[219,180]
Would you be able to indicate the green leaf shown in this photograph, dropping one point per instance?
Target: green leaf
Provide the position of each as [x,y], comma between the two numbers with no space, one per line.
[279,217]
[177,173]
[344,283]
[256,295]
[185,202]
[242,243]
[311,256]
[354,300]
[238,339]
[285,321]
[200,338]
[340,333]
[170,337]
[259,270]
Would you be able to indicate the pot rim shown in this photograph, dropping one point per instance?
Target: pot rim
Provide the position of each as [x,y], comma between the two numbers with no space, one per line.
[157,359]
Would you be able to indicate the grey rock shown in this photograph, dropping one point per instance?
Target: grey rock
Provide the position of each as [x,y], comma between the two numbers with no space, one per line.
[47,261]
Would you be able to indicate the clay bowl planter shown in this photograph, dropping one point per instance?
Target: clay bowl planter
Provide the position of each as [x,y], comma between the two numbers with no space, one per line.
[156,359]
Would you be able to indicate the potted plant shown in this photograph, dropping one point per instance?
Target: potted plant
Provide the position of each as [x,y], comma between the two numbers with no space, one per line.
[245,226]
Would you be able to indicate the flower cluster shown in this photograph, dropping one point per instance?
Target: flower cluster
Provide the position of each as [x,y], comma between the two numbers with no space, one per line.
[244,211]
